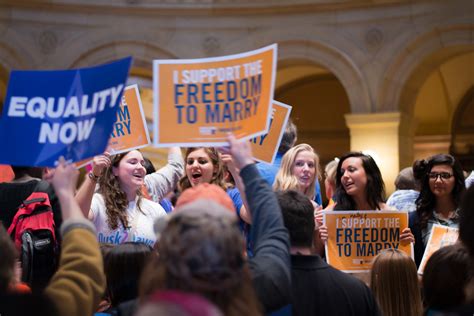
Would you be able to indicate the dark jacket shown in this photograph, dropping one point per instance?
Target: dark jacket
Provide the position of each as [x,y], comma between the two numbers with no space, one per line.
[270,265]
[419,247]
[319,289]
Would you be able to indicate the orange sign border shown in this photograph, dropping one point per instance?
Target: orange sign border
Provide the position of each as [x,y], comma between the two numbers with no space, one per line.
[367,268]
[288,109]
[142,113]
[431,247]
[211,143]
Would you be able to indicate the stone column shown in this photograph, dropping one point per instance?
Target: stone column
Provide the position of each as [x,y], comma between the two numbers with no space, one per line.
[387,137]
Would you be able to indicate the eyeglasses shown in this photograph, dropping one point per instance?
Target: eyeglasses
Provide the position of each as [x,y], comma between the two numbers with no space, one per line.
[442,175]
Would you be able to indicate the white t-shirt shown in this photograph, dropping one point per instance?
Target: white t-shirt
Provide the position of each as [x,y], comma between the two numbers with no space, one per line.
[140,223]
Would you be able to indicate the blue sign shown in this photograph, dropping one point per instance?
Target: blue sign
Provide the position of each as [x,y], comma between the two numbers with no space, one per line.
[70,113]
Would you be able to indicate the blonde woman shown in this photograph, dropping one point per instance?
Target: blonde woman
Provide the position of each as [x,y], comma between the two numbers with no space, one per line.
[394,283]
[298,171]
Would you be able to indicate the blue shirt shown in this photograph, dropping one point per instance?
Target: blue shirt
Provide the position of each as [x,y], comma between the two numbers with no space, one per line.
[403,200]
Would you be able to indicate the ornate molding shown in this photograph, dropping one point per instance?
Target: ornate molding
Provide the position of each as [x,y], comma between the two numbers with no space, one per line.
[374,38]
[47,41]
[199,7]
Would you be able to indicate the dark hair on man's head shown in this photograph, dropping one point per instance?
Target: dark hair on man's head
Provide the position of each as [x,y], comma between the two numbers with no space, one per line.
[123,266]
[298,215]
[7,262]
[375,188]
[466,221]
[426,201]
[289,137]
[445,276]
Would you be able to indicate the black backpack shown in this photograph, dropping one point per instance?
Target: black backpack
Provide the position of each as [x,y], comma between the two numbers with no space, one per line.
[33,231]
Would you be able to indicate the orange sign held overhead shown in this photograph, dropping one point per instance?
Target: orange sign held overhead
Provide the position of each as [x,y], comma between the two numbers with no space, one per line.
[356,237]
[130,130]
[198,101]
[265,147]
[441,236]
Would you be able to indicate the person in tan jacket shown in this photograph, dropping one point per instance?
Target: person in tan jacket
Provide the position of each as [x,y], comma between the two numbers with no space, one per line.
[79,282]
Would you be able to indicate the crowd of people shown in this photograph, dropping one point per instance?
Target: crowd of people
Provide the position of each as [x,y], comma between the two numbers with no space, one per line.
[215,233]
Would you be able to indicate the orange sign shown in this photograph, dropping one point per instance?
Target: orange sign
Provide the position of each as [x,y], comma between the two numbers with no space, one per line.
[265,147]
[441,236]
[130,130]
[356,237]
[198,101]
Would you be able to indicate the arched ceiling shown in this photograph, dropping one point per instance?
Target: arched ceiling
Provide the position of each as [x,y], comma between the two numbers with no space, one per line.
[441,93]
[292,73]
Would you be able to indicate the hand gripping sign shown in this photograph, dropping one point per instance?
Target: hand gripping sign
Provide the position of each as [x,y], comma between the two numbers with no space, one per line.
[198,101]
[356,237]
[68,113]
[265,147]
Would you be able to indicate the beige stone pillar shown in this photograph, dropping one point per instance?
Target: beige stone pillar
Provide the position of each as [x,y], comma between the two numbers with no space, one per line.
[382,135]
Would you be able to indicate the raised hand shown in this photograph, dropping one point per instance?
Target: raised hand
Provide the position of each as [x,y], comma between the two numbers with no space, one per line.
[64,179]
[99,163]
[240,151]
[406,236]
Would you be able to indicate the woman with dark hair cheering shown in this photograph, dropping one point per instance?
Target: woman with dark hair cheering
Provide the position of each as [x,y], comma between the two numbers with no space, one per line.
[442,186]
[118,209]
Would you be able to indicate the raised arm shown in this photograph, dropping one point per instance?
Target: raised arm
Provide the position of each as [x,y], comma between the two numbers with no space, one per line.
[77,286]
[270,265]
[86,191]
[165,179]
[244,212]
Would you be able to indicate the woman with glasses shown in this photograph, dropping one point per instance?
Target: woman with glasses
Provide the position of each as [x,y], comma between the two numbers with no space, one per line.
[442,185]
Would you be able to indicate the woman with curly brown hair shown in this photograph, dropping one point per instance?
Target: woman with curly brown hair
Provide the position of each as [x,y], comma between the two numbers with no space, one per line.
[117,209]
[442,186]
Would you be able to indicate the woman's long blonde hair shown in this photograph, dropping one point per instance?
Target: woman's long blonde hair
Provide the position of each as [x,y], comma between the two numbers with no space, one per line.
[286,180]
[394,283]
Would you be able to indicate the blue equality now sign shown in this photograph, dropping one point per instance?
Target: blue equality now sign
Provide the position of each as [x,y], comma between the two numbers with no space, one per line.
[70,113]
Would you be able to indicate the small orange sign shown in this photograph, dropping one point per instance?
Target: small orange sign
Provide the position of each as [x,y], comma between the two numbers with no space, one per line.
[198,101]
[265,147]
[441,236]
[6,173]
[356,237]
[130,130]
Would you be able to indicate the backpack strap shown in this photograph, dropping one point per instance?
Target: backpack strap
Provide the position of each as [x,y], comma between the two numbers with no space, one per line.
[42,186]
